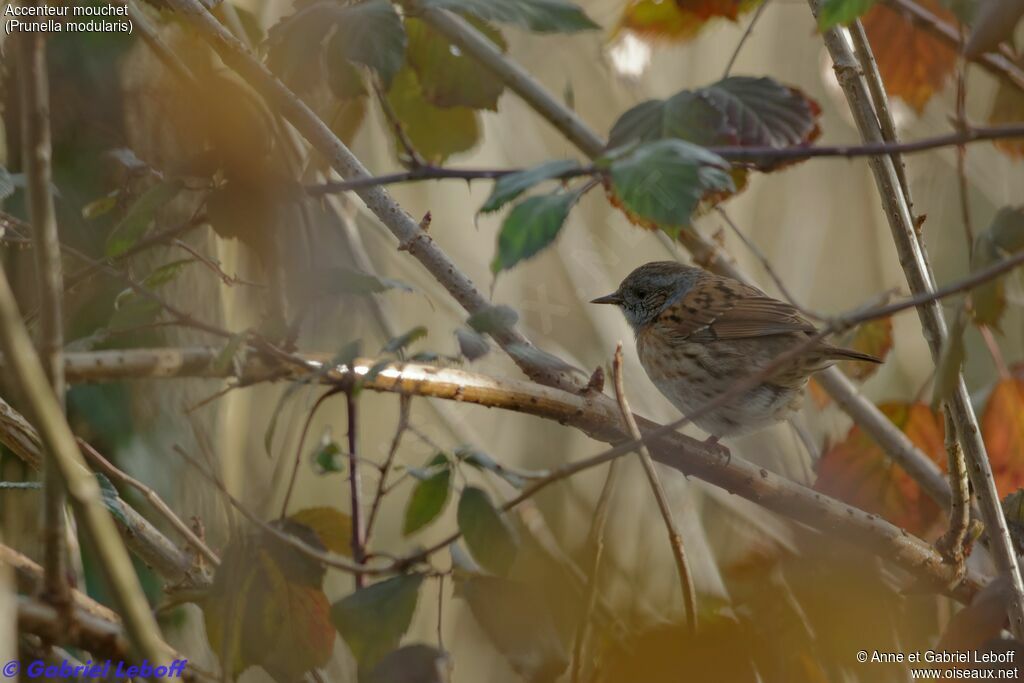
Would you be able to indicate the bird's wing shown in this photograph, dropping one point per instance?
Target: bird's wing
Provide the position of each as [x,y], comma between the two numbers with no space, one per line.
[718,308]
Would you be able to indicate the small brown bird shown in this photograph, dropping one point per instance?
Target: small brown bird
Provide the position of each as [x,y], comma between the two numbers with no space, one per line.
[697,333]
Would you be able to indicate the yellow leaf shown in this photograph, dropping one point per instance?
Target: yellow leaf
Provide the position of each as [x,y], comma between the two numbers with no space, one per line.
[332,526]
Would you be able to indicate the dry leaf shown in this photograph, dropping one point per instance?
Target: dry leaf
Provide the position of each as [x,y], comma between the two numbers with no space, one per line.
[913,63]
[1002,425]
[857,471]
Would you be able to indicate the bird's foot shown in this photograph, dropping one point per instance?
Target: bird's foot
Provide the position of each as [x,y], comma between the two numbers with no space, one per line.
[712,443]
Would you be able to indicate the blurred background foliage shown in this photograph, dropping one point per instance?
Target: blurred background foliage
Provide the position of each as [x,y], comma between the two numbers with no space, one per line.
[206,167]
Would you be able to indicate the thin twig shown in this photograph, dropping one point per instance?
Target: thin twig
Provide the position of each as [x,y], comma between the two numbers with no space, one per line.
[154,499]
[675,538]
[743,39]
[731,153]
[596,537]
[301,445]
[404,408]
[34,91]
[415,160]
[355,483]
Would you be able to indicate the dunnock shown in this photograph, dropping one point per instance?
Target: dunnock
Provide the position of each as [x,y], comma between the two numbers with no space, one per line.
[697,333]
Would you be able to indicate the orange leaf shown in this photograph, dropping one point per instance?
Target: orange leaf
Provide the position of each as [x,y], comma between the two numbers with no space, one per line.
[913,63]
[679,20]
[875,338]
[266,608]
[1002,425]
[858,472]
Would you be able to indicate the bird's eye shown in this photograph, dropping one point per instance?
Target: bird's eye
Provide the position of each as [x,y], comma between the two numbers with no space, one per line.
[641,293]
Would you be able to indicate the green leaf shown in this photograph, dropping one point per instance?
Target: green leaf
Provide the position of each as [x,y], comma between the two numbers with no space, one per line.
[111,498]
[134,224]
[447,76]
[508,187]
[6,184]
[435,132]
[373,620]
[225,360]
[402,341]
[132,309]
[533,224]
[835,12]
[540,16]
[1003,237]
[472,344]
[158,278]
[493,319]
[489,538]
[410,664]
[429,498]
[665,180]
[739,110]
[1007,229]
[370,33]
[328,456]
[951,359]
[95,208]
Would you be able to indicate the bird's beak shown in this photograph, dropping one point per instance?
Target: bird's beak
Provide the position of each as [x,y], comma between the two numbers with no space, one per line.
[613,298]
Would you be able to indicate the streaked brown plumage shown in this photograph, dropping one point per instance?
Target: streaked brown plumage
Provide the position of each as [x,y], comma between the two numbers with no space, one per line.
[697,333]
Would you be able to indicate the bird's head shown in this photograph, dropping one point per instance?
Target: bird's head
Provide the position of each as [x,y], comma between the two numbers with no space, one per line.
[647,290]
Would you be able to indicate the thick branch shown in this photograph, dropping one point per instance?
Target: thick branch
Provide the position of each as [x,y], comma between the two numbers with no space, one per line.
[919,277]
[29,575]
[593,414]
[35,133]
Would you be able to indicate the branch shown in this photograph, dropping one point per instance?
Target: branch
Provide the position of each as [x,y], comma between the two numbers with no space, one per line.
[894,442]
[593,414]
[920,279]
[141,537]
[355,486]
[731,153]
[29,575]
[98,635]
[26,373]
[34,93]
[675,538]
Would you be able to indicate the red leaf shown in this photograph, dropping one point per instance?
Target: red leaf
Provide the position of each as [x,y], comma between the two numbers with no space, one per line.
[858,472]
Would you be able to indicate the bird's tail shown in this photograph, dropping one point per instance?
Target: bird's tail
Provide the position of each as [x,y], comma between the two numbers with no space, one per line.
[850,354]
